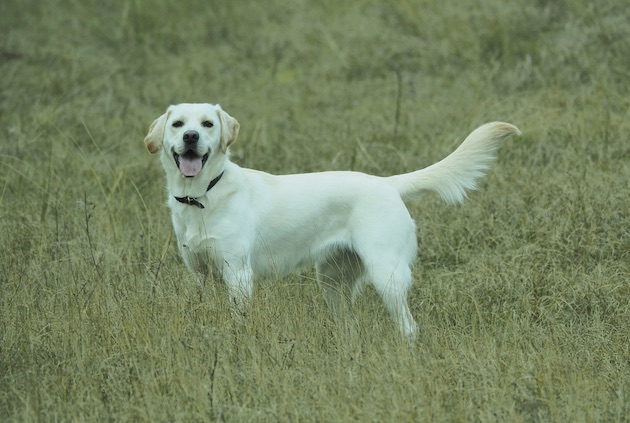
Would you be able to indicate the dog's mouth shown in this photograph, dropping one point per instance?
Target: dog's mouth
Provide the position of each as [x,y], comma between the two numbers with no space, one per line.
[190,163]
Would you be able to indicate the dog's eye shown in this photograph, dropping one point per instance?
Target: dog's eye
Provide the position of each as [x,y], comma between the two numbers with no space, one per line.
[207,124]
[178,124]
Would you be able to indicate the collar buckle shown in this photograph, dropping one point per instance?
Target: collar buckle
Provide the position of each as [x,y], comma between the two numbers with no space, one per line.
[192,201]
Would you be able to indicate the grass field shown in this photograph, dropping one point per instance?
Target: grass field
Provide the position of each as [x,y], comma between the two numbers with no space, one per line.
[522,294]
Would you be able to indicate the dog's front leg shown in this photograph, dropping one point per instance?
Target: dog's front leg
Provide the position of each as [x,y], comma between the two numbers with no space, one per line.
[238,277]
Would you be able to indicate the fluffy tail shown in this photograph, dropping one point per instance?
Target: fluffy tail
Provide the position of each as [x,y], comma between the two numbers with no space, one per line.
[458,172]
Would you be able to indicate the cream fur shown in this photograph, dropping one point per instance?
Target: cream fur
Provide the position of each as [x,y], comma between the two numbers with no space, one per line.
[353,227]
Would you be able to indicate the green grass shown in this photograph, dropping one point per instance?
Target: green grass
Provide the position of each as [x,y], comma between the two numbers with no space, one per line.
[522,294]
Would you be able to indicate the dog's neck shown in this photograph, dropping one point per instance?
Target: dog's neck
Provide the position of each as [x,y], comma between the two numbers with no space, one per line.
[191,201]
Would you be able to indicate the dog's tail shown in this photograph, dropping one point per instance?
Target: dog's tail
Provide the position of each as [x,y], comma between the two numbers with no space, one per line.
[458,172]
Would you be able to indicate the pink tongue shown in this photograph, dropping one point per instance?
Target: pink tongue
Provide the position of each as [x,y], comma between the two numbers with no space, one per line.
[190,166]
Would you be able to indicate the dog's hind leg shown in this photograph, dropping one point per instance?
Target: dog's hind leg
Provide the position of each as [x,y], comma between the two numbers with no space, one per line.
[339,277]
[392,280]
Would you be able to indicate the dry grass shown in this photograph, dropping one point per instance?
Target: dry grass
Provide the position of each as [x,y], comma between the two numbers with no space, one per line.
[522,294]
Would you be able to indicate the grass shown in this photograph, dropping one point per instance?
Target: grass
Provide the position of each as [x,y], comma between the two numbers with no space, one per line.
[522,294]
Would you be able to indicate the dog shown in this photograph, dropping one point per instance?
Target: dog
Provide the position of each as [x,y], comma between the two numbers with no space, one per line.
[354,228]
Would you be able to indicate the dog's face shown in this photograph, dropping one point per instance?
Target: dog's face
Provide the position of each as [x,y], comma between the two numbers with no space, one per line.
[190,134]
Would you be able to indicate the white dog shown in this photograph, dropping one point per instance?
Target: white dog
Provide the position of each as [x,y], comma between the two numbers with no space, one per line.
[353,227]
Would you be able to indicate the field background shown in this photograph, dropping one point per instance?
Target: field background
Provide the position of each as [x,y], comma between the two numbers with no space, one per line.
[522,293]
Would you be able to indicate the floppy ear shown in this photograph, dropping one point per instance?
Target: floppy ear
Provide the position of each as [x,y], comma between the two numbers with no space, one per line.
[229,129]
[154,138]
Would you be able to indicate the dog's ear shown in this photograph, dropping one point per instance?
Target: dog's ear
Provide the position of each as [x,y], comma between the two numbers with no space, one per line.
[229,129]
[154,138]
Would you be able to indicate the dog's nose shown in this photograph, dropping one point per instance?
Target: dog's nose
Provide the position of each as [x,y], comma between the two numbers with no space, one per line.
[191,137]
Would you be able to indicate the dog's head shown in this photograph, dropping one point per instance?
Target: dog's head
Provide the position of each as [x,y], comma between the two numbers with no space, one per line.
[190,134]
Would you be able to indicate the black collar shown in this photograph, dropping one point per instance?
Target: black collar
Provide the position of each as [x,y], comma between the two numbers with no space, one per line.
[193,201]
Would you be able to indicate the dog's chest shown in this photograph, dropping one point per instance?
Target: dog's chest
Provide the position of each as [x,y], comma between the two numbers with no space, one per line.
[193,230]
